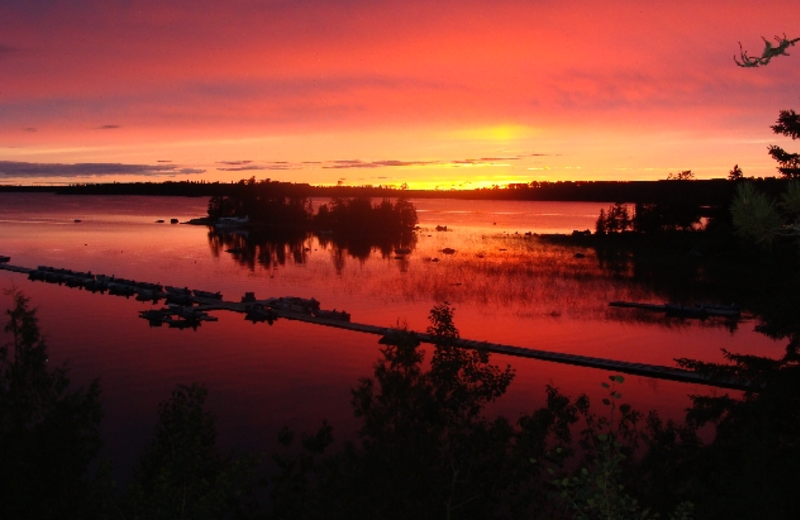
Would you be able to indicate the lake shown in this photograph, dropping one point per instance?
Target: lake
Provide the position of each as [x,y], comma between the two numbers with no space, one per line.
[505,285]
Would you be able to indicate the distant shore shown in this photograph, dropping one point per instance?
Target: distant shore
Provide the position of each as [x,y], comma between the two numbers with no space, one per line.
[713,192]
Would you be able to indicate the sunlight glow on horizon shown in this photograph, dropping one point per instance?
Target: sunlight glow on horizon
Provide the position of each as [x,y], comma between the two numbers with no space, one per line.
[503,132]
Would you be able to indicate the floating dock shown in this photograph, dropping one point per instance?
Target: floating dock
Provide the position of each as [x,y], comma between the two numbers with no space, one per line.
[700,310]
[188,308]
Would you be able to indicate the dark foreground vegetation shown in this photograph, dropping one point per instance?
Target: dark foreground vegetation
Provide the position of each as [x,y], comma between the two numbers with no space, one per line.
[424,449]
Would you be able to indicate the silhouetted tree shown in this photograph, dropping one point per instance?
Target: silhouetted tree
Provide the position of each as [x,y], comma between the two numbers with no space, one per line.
[219,206]
[735,174]
[749,470]
[760,219]
[358,216]
[181,475]
[424,451]
[616,219]
[685,175]
[49,433]
[600,224]
[788,124]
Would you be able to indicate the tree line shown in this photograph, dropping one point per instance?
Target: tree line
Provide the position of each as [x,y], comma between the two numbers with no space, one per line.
[707,192]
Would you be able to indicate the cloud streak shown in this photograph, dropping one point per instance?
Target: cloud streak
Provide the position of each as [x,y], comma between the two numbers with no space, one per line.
[390,163]
[356,164]
[246,165]
[395,163]
[29,170]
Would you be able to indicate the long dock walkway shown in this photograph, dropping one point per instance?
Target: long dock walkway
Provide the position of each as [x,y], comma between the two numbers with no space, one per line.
[193,306]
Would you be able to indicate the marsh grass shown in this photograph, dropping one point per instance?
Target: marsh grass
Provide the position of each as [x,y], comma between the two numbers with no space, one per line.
[518,276]
[518,273]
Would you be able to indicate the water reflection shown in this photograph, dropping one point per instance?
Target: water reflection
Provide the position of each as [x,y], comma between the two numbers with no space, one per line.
[272,247]
[268,248]
[676,275]
[686,272]
[523,275]
[668,321]
[360,247]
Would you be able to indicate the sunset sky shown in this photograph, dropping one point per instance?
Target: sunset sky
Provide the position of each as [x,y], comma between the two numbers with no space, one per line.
[438,93]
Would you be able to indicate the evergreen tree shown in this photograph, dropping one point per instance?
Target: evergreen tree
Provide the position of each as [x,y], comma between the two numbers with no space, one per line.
[736,174]
[49,434]
[788,124]
[181,475]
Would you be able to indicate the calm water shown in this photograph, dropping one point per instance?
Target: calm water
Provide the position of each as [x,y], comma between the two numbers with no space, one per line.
[506,287]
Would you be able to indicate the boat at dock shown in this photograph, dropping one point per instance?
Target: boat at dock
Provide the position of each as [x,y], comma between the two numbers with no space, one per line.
[207,294]
[258,313]
[229,222]
[332,315]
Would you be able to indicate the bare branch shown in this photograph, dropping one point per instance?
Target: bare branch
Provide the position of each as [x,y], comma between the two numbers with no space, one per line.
[769,52]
